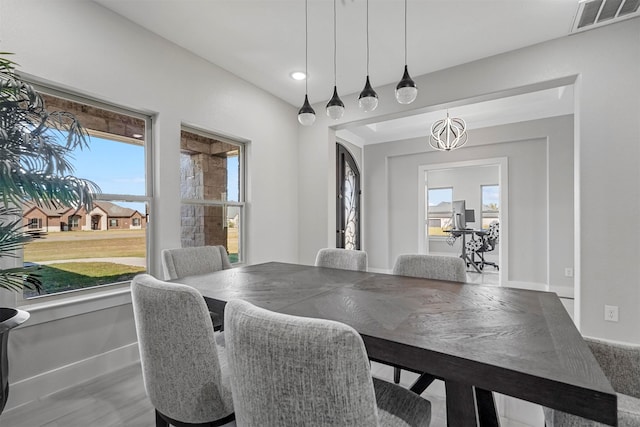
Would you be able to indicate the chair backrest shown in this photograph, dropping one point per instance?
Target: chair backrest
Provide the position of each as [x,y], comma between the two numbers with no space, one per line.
[180,362]
[431,267]
[295,371]
[181,262]
[345,259]
[620,363]
[492,236]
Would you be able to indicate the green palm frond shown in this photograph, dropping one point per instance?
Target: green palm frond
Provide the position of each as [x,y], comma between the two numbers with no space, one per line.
[14,279]
[14,236]
[36,149]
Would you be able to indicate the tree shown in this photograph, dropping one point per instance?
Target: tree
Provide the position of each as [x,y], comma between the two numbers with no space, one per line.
[36,147]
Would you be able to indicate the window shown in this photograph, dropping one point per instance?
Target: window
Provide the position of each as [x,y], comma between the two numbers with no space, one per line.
[490,204]
[136,222]
[439,211]
[74,222]
[211,178]
[35,223]
[117,162]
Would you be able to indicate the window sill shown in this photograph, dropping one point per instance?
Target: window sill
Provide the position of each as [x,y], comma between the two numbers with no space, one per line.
[438,238]
[51,310]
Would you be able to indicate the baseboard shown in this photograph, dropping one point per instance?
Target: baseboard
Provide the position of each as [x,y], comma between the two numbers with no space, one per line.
[38,386]
[563,291]
[379,270]
[525,285]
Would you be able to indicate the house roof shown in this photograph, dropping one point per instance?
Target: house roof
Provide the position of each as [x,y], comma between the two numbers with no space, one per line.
[114,210]
[109,208]
[50,212]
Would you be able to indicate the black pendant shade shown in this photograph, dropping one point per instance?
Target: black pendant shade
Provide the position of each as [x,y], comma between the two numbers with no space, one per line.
[306,114]
[406,81]
[406,90]
[368,98]
[335,106]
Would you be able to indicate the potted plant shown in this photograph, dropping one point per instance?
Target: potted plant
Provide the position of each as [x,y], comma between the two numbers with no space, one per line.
[35,151]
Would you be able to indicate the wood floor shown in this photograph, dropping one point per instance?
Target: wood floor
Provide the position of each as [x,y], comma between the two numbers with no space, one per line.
[119,399]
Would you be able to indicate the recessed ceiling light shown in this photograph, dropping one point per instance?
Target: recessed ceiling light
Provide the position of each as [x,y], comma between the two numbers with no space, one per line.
[298,75]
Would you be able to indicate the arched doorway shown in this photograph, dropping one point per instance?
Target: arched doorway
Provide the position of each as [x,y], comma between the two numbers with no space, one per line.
[347,200]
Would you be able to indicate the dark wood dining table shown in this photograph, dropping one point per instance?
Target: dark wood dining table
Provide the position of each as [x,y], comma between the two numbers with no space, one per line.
[478,339]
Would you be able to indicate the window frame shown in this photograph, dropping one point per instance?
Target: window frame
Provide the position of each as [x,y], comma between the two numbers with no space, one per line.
[35,224]
[241,203]
[109,289]
[426,220]
[482,204]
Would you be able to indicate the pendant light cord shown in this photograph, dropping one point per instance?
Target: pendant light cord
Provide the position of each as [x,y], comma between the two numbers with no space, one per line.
[306,48]
[405,31]
[335,46]
[367,37]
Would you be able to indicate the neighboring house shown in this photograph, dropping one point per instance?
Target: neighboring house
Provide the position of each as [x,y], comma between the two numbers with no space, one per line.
[103,216]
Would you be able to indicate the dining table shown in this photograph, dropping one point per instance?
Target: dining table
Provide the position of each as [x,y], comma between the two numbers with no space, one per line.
[478,339]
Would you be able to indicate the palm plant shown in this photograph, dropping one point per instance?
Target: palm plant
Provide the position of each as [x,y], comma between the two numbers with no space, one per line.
[35,151]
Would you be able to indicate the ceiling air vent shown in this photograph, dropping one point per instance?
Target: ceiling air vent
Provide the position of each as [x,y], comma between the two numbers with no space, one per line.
[595,13]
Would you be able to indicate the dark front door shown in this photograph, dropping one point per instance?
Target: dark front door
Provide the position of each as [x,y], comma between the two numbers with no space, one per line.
[347,200]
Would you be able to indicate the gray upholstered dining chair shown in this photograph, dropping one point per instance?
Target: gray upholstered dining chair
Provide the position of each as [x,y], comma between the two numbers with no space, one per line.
[345,259]
[184,371]
[181,262]
[429,267]
[621,364]
[295,371]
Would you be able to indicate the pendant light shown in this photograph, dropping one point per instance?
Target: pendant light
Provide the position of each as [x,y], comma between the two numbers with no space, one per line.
[448,134]
[406,90]
[306,115]
[335,106]
[368,99]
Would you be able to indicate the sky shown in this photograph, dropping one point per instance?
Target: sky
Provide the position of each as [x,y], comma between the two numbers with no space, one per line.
[119,168]
[438,195]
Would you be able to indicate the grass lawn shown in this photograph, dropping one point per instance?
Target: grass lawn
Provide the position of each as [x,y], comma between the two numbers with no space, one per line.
[51,250]
[77,275]
[72,245]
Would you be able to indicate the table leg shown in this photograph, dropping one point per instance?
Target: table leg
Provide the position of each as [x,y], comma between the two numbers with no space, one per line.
[487,414]
[461,405]
[421,384]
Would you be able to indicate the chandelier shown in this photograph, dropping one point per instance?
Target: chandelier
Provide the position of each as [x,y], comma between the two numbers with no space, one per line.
[448,134]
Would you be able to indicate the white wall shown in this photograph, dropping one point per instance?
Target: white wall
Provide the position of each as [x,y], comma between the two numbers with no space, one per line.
[80,45]
[604,64]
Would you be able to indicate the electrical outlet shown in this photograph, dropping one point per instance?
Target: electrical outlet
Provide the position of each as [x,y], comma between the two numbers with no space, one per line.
[568,272]
[611,313]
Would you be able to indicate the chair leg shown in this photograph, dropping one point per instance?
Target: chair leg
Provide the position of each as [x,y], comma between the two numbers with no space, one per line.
[160,421]
[396,375]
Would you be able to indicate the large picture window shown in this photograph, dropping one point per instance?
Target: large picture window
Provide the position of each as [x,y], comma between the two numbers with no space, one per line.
[439,211]
[490,204]
[85,249]
[211,186]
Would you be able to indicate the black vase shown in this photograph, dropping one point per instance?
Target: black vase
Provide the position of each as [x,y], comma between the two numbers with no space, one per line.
[9,319]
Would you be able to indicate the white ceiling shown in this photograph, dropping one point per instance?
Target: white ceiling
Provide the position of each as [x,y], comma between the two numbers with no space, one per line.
[263,41]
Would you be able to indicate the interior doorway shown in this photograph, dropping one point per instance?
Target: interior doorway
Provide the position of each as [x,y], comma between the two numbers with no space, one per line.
[481,187]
